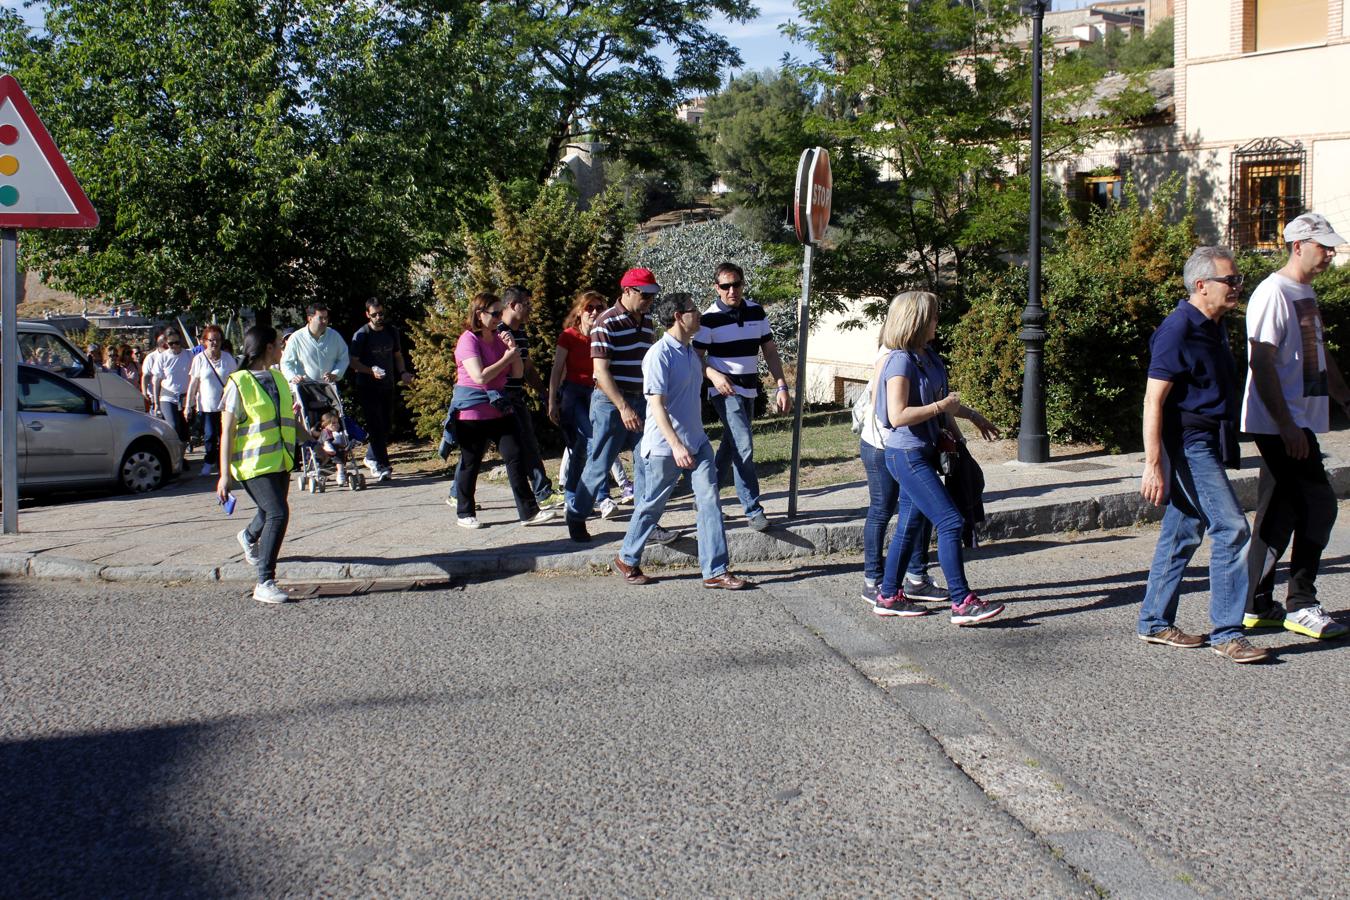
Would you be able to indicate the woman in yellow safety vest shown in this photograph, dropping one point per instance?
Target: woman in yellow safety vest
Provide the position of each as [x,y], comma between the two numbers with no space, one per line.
[257,450]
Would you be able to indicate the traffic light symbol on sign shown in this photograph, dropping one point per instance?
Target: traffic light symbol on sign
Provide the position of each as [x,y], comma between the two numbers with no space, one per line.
[9,165]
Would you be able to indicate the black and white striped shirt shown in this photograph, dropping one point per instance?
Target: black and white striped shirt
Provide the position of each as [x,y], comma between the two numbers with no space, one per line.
[732,338]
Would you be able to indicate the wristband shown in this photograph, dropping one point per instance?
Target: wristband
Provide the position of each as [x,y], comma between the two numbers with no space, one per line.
[782,389]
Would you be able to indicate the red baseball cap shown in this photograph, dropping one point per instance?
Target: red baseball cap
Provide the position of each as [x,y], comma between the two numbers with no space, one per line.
[640,279]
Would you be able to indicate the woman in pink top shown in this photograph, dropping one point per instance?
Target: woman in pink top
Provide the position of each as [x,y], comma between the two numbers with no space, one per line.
[483,360]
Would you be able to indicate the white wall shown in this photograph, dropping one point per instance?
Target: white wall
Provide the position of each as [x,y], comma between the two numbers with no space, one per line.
[1240,99]
[1330,194]
[1207,28]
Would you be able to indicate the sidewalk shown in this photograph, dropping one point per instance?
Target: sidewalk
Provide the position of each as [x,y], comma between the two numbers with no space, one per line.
[403,529]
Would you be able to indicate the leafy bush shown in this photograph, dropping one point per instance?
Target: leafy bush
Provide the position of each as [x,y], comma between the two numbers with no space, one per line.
[1108,284]
[685,258]
[544,243]
[1333,299]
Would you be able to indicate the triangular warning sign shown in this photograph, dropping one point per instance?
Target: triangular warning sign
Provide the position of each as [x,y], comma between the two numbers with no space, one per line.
[37,189]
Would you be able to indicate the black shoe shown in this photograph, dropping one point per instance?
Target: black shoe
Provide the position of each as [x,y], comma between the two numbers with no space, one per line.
[662,536]
[576,530]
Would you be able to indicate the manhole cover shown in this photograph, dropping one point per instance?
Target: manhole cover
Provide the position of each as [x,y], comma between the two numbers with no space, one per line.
[1080,467]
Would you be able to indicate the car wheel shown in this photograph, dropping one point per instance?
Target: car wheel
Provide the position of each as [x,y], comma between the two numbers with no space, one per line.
[142,469]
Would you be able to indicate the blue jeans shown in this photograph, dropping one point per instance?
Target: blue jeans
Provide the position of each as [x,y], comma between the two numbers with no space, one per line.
[883,496]
[659,481]
[737,450]
[1200,500]
[211,437]
[922,496]
[608,439]
[575,417]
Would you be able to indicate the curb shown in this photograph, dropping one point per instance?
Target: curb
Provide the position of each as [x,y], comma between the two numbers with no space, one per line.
[1121,509]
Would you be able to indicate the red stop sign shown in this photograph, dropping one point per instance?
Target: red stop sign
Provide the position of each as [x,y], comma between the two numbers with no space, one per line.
[811,207]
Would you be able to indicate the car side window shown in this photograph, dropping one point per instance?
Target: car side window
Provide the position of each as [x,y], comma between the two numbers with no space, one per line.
[42,393]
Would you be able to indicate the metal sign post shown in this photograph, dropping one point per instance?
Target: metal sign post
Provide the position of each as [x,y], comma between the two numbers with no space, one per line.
[37,190]
[9,379]
[811,214]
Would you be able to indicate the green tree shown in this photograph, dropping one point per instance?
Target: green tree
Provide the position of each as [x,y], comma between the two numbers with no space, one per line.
[1109,282]
[543,242]
[1134,52]
[596,73]
[755,129]
[940,97]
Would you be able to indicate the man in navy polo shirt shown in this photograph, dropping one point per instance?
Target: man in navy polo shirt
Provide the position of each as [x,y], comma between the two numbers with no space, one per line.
[1190,424]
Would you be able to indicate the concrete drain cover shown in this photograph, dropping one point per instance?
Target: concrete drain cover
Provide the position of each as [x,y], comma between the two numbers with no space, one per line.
[1080,467]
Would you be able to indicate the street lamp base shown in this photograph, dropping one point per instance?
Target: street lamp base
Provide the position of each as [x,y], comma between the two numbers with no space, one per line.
[1033,448]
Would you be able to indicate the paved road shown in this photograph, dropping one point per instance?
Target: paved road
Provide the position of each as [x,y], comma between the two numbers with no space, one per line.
[574,736]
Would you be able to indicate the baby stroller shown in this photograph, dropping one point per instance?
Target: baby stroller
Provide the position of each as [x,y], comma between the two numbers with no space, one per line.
[317,398]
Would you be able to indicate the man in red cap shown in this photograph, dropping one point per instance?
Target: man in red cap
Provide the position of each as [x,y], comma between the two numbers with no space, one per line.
[620,340]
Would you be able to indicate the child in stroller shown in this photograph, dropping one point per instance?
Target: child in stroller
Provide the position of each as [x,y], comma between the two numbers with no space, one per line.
[330,442]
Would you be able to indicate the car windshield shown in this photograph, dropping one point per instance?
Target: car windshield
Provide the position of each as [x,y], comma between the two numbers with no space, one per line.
[50,352]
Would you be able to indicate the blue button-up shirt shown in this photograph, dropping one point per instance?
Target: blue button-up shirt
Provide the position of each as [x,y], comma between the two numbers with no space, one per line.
[307,357]
[1190,350]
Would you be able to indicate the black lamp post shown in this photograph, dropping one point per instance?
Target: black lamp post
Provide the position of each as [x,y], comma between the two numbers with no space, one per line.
[1033,444]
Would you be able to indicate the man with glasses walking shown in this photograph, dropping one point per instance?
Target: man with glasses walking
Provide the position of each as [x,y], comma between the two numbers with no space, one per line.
[1290,375]
[376,357]
[674,443]
[1190,422]
[735,331]
[620,340]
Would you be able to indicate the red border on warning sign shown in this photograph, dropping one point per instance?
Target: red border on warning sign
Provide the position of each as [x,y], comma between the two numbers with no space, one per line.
[84,216]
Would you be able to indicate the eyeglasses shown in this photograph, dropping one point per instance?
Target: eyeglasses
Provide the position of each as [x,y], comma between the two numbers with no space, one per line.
[729,285]
[595,310]
[1233,281]
[492,313]
[692,309]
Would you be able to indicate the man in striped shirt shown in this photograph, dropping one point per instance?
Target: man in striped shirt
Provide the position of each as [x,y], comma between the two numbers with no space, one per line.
[620,339]
[735,331]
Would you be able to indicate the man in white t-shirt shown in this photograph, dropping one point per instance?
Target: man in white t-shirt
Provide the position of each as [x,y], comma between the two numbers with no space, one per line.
[169,376]
[206,387]
[1290,376]
[148,365]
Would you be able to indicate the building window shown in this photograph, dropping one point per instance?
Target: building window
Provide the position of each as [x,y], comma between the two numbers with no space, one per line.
[1267,192]
[1100,189]
[1271,24]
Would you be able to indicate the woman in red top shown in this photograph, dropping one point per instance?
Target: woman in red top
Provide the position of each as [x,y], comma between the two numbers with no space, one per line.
[571,383]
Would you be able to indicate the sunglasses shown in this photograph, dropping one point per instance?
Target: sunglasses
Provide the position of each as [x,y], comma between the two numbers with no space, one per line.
[1233,281]
[595,310]
[726,286]
[492,313]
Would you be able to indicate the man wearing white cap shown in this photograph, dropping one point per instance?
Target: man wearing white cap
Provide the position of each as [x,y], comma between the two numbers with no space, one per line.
[1290,375]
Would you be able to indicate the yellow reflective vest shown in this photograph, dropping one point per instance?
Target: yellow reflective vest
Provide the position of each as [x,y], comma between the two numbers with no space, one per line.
[265,436]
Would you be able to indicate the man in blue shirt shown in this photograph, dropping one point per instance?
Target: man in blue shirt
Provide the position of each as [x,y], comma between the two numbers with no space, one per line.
[315,351]
[673,442]
[1190,422]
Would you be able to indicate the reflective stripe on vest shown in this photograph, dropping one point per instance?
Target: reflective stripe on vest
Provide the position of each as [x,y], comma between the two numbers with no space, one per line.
[265,441]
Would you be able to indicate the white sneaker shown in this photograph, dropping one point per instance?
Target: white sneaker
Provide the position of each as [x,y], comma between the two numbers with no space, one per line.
[342,479]
[1313,622]
[371,465]
[607,508]
[385,475]
[468,522]
[250,549]
[268,592]
[544,515]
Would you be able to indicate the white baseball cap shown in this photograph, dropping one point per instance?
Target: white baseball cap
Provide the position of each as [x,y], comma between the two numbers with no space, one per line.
[1313,226]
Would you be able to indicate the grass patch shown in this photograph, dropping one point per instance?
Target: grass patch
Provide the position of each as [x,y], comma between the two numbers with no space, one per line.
[829,447]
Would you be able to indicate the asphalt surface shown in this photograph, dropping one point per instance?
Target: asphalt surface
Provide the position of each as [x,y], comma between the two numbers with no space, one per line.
[573,735]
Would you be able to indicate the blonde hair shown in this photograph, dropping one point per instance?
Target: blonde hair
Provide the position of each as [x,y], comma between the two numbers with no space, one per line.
[908,319]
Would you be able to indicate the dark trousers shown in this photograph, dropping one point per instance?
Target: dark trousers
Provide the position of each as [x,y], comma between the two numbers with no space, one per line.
[474,435]
[529,448]
[268,527]
[1296,500]
[378,405]
[211,437]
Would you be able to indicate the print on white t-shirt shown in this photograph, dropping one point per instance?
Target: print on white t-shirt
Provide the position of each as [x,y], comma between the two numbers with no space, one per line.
[1284,314]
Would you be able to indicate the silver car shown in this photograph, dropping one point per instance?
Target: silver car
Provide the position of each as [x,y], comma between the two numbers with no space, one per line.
[68,438]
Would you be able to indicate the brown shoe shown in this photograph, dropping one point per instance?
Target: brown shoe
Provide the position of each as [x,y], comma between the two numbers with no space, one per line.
[631,574]
[1173,636]
[727,582]
[1240,650]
